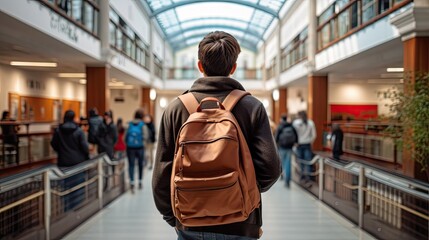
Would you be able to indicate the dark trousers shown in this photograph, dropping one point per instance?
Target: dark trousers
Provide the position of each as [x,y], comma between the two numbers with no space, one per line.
[132,155]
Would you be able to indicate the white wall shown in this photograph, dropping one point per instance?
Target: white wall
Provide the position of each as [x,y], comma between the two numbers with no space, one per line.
[295,23]
[296,99]
[127,108]
[359,93]
[158,45]
[13,80]
[271,50]
[169,56]
[47,21]
[133,16]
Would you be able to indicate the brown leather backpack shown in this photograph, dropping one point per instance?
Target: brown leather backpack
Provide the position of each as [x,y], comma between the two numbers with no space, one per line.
[213,179]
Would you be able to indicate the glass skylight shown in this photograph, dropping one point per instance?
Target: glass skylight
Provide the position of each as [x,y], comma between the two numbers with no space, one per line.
[185,22]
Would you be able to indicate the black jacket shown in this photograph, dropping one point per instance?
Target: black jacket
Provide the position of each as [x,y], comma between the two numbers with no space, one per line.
[70,143]
[253,120]
[107,136]
[337,136]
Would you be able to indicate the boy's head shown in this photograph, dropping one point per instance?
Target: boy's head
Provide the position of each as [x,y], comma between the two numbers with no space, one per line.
[217,54]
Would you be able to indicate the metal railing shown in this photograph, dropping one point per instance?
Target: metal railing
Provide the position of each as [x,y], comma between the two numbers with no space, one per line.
[47,203]
[386,205]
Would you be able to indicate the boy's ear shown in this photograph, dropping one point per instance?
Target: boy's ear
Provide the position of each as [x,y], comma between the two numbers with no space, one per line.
[234,67]
[200,66]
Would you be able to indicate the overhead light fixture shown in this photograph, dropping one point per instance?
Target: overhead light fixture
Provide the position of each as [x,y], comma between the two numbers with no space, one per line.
[276,95]
[152,94]
[33,64]
[395,69]
[72,75]
[116,84]
[82,81]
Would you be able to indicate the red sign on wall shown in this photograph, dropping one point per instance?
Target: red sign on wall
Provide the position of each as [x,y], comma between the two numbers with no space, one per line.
[353,112]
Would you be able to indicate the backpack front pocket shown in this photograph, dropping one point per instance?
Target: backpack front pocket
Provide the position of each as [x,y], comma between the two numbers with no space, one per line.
[208,197]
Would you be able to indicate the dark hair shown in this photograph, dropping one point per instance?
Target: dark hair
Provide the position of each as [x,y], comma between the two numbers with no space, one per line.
[120,125]
[218,52]
[4,115]
[284,117]
[139,114]
[109,113]
[93,112]
[69,116]
[303,116]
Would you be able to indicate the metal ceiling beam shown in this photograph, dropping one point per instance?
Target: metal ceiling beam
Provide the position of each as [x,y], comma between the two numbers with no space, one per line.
[187,2]
[220,26]
[214,18]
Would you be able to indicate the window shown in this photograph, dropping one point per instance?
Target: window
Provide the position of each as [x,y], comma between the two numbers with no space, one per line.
[368,10]
[343,23]
[88,19]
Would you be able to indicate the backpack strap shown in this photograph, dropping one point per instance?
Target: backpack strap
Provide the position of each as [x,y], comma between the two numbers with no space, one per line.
[233,97]
[190,102]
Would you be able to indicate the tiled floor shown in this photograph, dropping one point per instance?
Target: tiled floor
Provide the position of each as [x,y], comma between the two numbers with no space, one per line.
[289,214]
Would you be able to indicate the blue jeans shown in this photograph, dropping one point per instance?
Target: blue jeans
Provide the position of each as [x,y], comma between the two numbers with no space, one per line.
[191,235]
[132,155]
[285,156]
[304,153]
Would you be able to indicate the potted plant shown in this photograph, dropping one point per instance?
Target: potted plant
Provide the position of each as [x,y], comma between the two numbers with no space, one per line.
[409,119]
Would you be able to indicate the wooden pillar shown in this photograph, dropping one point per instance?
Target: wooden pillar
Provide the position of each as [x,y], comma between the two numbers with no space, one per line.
[318,106]
[416,60]
[280,106]
[146,103]
[97,91]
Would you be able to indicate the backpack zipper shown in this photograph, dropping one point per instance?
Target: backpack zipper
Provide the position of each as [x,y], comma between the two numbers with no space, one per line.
[204,189]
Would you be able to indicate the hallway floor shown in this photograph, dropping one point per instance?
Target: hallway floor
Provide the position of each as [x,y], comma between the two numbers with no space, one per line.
[289,214]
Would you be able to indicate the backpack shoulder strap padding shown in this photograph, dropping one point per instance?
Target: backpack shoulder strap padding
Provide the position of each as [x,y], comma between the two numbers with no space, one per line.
[190,102]
[233,97]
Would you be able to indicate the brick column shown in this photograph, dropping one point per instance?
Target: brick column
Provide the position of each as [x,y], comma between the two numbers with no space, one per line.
[97,91]
[318,106]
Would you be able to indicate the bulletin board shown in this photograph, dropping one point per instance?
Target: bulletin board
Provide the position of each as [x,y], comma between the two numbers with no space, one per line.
[40,109]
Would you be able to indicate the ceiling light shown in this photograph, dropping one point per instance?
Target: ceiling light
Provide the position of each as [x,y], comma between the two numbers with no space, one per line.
[276,95]
[152,94]
[395,69]
[72,75]
[82,81]
[116,84]
[33,64]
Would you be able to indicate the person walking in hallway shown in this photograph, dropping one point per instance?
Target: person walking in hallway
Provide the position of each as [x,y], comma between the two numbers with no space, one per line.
[306,135]
[107,135]
[134,139]
[150,140]
[286,137]
[120,146]
[217,54]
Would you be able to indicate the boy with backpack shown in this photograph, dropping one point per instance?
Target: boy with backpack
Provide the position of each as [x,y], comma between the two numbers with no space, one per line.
[286,137]
[134,139]
[215,153]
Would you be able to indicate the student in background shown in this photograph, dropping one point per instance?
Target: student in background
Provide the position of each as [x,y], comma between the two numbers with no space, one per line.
[150,140]
[134,140]
[286,137]
[120,146]
[306,135]
[107,135]
[337,141]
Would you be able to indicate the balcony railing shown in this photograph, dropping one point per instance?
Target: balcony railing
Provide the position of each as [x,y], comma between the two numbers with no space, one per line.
[30,148]
[345,17]
[83,13]
[193,73]
[47,203]
[387,205]
[295,51]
